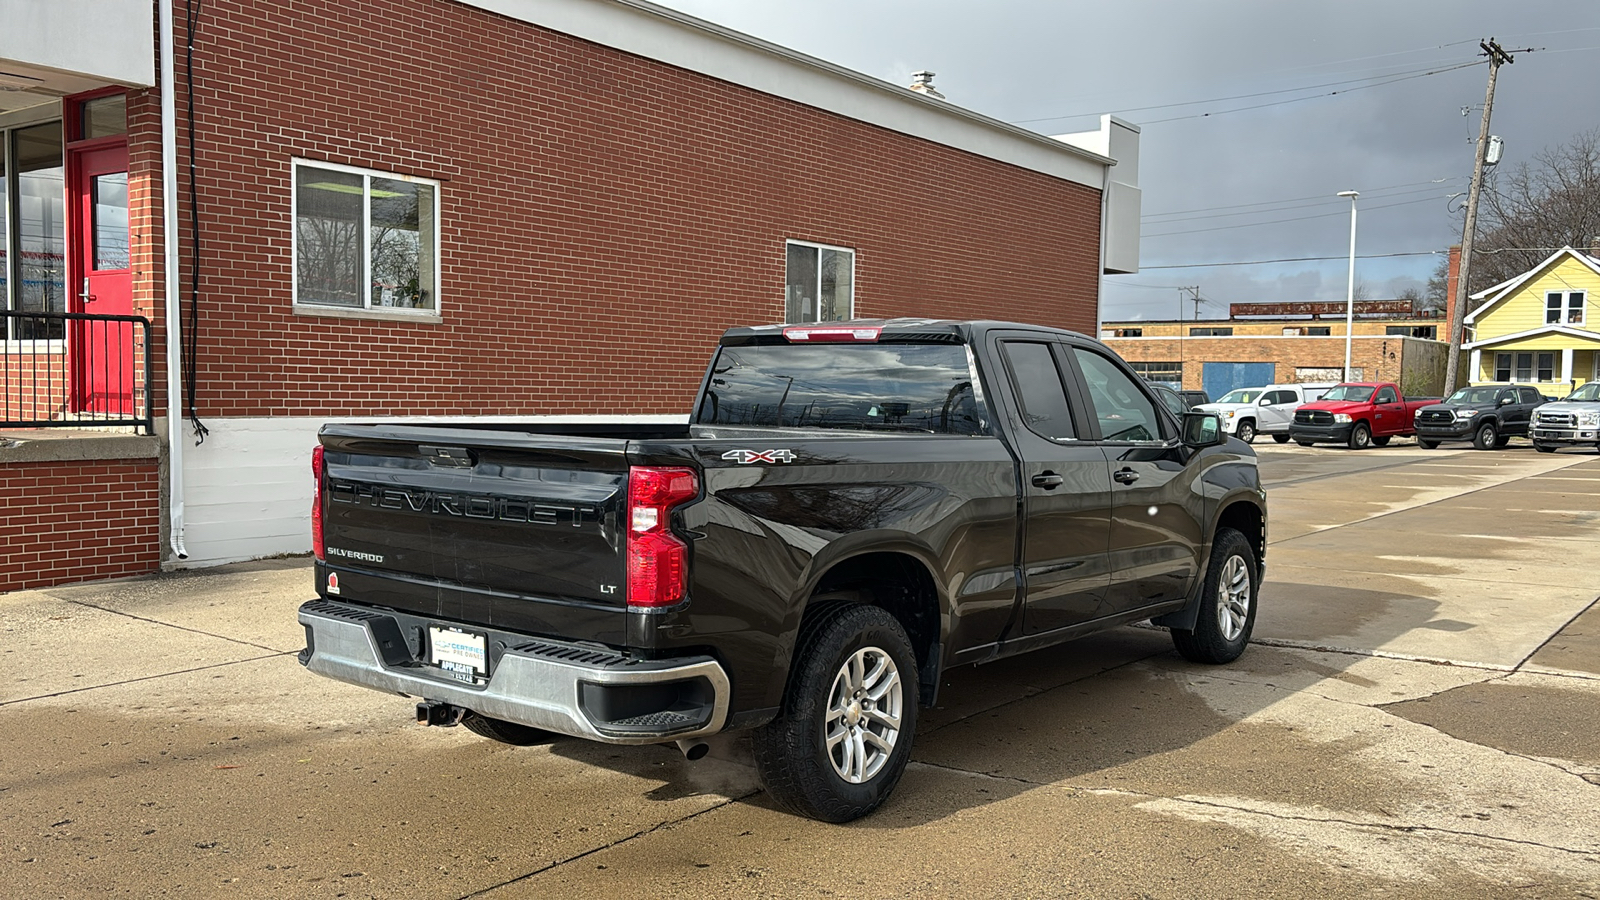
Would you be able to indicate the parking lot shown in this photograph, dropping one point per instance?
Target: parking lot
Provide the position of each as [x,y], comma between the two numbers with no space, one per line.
[1420,716]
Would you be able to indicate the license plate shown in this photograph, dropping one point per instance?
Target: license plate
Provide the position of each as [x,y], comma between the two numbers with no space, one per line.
[462,655]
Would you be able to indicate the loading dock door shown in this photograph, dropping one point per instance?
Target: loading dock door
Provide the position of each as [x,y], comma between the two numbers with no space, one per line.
[1218,378]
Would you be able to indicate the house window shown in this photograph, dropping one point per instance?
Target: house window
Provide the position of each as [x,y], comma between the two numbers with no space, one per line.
[1129,332]
[1563,308]
[819,283]
[365,240]
[1164,372]
[1430,332]
[1520,367]
[1319,330]
[1210,332]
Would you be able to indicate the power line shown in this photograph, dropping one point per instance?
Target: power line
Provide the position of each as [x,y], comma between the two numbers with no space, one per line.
[1263,262]
[1298,199]
[1324,202]
[1291,219]
[1360,87]
[1308,87]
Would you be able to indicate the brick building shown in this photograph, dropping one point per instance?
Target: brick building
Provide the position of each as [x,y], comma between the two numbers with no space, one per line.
[1286,343]
[477,208]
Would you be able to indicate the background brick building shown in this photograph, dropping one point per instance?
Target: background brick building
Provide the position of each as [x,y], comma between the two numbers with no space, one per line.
[511,208]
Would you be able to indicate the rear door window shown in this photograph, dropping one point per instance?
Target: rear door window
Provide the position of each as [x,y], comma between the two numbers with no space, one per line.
[1040,390]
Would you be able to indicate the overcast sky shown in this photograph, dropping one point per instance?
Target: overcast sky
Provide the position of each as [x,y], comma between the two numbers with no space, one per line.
[1053,67]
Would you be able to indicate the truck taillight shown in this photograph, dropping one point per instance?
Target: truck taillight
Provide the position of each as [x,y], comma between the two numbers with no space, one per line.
[317,470]
[658,563]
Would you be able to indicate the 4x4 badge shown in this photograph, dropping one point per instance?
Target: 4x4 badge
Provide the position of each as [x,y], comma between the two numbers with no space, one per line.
[746,457]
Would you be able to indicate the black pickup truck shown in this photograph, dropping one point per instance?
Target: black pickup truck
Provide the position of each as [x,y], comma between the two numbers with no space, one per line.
[1488,415]
[852,509]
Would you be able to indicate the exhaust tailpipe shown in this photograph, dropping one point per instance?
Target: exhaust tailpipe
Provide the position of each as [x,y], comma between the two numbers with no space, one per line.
[693,749]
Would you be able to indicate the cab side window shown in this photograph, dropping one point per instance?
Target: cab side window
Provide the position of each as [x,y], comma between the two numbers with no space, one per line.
[1040,390]
[1276,397]
[1124,411]
[1387,395]
[1529,395]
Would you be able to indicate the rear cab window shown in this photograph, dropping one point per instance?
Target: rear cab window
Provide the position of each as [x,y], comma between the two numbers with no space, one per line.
[885,387]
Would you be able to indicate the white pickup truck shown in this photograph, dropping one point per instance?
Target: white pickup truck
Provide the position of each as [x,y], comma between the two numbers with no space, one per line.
[1247,412]
[1571,422]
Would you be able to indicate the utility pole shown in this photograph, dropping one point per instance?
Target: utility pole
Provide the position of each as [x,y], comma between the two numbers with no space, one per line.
[1497,55]
[1184,332]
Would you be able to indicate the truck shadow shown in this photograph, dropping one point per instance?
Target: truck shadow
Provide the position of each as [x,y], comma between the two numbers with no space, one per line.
[1120,711]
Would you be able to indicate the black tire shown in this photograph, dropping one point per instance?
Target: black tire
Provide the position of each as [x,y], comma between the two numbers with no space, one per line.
[1382,441]
[1281,438]
[1426,444]
[1222,630]
[1360,436]
[796,764]
[1245,431]
[512,733]
[1306,443]
[1485,436]
[1544,448]
[1501,441]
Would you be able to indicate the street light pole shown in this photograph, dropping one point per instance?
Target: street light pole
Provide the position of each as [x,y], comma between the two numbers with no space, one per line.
[1350,294]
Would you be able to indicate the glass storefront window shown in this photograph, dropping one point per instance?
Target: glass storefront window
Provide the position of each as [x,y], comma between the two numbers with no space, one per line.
[39,214]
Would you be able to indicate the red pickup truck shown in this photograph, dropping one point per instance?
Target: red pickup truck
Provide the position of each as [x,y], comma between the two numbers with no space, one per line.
[1358,415]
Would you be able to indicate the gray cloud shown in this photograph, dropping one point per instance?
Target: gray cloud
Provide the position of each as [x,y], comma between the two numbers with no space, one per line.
[1031,59]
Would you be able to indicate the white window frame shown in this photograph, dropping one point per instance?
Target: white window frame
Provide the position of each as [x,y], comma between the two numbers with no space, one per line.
[1565,307]
[10,122]
[788,242]
[366,310]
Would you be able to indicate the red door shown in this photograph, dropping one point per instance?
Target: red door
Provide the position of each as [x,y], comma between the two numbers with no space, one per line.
[102,352]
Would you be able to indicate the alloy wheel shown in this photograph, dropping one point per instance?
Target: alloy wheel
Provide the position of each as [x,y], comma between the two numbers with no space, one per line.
[863,720]
[1233,597]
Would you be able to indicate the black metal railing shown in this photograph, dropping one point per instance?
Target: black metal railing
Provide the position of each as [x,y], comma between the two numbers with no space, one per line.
[75,370]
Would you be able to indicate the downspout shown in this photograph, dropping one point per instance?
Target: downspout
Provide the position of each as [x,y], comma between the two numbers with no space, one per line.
[169,246]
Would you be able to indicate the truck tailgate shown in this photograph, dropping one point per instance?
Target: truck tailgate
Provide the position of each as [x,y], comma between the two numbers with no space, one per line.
[500,528]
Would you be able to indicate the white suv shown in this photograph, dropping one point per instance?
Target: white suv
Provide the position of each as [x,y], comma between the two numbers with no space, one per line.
[1247,412]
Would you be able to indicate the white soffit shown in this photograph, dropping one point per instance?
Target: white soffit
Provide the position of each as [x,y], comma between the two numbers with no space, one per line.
[654,32]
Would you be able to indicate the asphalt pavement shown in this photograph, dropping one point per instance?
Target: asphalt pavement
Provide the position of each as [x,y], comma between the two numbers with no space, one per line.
[1419,717]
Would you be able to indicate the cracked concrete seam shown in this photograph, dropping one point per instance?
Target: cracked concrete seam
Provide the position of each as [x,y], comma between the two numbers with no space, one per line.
[659,826]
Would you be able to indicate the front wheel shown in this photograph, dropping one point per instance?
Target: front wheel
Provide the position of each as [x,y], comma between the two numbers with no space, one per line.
[1485,436]
[1281,438]
[1360,436]
[1227,603]
[1426,444]
[1305,443]
[1544,448]
[1246,431]
[844,736]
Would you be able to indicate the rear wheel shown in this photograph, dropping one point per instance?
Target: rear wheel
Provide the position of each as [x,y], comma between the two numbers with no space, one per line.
[1305,443]
[1227,603]
[512,733]
[1485,436]
[844,736]
[1360,436]
[1426,444]
[1501,441]
[1246,431]
[1281,438]
[1382,441]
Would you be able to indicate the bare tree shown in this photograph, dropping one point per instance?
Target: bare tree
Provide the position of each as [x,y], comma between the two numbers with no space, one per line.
[1534,208]
[1434,296]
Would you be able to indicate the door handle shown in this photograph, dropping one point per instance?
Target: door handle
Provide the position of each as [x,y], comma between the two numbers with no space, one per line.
[85,295]
[1125,476]
[1048,480]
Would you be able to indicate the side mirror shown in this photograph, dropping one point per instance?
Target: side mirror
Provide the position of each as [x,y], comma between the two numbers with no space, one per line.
[1507,401]
[1202,429]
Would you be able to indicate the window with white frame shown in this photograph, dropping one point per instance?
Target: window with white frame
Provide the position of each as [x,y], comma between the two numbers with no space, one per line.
[819,283]
[1563,307]
[1525,367]
[365,240]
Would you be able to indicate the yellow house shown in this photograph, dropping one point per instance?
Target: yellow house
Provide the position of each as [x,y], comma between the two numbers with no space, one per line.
[1542,327]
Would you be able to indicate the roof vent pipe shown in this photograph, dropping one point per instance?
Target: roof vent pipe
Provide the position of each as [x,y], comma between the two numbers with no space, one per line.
[922,83]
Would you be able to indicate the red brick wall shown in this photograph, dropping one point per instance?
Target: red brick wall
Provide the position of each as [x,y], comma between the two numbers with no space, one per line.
[77,521]
[604,217]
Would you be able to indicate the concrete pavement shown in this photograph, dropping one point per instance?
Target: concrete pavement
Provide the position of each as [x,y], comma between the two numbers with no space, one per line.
[1418,719]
